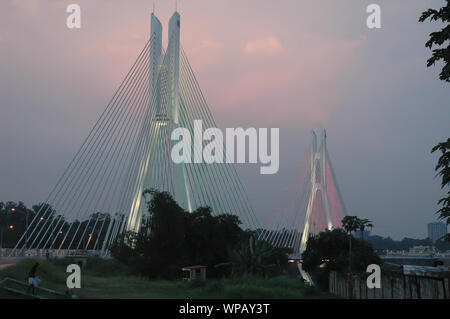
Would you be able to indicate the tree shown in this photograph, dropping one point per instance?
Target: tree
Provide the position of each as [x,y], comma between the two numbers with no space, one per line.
[330,248]
[14,218]
[363,224]
[441,53]
[351,224]
[439,38]
[329,251]
[171,238]
[443,169]
[258,257]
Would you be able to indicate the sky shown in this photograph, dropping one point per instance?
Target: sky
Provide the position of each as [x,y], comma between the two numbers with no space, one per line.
[295,65]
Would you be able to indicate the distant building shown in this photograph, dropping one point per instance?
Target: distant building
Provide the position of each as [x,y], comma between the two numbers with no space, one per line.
[436,230]
[422,251]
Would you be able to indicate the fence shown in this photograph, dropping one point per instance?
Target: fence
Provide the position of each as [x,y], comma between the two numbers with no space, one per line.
[393,286]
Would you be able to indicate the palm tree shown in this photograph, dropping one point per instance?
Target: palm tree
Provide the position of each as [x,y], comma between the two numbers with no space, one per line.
[350,224]
[363,224]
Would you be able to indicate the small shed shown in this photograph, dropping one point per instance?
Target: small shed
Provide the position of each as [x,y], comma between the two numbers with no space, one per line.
[194,272]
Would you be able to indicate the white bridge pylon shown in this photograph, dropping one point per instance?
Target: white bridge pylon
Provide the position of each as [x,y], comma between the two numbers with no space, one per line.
[177,101]
[164,82]
[311,204]
[319,190]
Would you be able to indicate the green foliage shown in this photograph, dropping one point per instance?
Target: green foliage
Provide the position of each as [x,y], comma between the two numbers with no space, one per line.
[107,267]
[380,243]
[172,238]
[253,287]
[365,223]
[18,215]
[258,257]
[351,223]
[330,248]
[443,170]
[121,285]
[439,38]
[210,238]
[15,215]
[47,271]
[122,246]
[286,288]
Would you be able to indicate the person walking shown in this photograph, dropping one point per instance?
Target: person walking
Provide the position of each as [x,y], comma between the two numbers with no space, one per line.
[33,281]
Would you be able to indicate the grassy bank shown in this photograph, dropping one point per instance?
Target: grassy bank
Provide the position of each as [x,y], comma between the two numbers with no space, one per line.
[109,279]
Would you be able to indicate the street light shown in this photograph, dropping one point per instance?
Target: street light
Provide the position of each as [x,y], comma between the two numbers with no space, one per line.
[5,209]
[26,225]
[11,227]
[89,240]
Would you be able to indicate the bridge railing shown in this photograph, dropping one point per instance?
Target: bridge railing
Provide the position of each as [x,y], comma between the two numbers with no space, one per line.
[6,252]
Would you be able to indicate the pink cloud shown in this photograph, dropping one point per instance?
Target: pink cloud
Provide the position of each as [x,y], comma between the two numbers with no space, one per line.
[291,87]
[207,44]
[4,38]
[207,51]
[263,72]
[27,7]
[269,46]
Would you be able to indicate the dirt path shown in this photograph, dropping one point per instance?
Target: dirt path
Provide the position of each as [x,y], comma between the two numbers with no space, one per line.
[8,261]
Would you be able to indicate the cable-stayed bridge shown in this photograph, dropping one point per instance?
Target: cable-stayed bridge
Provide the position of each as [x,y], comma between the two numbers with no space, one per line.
[128,150]
[100,194]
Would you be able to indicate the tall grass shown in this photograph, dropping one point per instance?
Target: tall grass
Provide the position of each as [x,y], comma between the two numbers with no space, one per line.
[47,270]
[106,278]
[253,288]
[98,266]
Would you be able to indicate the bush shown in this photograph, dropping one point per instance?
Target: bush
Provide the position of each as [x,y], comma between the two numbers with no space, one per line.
[329,250]
[172,238]
[107,267]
